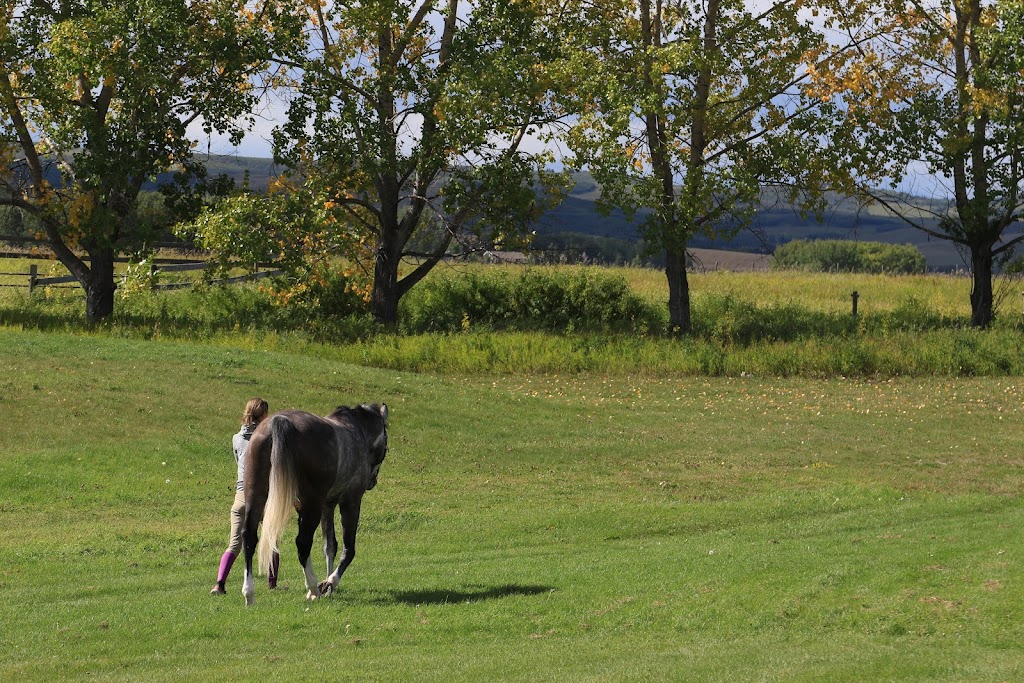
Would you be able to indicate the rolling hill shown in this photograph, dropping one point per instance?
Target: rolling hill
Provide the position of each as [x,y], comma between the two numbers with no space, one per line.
[776,222]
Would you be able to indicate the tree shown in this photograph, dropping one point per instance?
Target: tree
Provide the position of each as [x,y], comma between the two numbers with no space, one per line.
[291,227]
[937,92]
[687,108]
[96,98]
[405,110]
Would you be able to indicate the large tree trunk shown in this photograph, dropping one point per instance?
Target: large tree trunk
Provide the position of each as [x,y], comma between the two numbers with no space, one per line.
[99,287]
[386,292]
[981,286]
[678,292]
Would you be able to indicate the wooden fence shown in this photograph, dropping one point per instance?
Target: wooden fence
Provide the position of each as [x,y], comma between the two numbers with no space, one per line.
[33,281]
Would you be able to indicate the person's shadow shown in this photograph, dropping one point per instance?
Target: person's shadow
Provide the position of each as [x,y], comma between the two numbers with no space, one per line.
[442,596]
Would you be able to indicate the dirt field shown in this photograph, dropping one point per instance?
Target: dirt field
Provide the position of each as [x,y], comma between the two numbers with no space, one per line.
[719,259]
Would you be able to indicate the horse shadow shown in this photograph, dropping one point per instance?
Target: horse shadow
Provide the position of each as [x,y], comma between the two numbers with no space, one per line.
[444,596]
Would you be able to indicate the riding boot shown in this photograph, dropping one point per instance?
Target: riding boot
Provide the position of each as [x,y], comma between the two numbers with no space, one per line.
[275,564]
[226,560]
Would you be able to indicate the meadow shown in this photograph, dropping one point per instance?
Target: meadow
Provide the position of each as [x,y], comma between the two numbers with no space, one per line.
[478,319]
[531,523]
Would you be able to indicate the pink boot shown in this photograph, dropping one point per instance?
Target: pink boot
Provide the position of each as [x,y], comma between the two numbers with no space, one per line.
[226,560]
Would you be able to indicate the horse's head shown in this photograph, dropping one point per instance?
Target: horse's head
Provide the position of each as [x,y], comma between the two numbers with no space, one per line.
[379,447]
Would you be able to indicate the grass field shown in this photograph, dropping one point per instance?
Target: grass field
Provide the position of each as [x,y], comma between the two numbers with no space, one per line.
[527,527]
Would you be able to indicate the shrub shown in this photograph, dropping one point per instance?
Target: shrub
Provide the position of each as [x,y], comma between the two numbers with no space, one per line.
[729,320]
[847,256]
[534,299]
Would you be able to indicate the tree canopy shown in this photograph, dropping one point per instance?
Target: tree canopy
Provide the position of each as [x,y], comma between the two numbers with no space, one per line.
[96,99]
[411,116]
[414,126]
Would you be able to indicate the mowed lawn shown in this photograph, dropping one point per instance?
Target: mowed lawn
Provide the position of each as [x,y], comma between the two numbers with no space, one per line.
[525,528]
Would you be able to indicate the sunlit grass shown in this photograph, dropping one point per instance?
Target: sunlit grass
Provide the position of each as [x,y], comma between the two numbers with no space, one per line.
[528,526]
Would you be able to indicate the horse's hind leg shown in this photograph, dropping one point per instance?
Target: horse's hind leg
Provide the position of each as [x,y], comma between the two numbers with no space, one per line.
[249,539]
[304,545]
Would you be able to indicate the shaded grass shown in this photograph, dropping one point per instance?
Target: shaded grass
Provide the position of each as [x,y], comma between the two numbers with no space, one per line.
[583,527]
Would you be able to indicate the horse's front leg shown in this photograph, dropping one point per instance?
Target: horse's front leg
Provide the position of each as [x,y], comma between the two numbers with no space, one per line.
[349,524]
[304,546]
[330,540]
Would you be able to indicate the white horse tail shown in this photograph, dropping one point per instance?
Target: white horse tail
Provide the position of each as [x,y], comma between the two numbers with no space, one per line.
[283,489]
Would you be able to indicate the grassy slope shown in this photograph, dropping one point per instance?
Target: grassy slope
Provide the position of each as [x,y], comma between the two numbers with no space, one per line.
[534,527]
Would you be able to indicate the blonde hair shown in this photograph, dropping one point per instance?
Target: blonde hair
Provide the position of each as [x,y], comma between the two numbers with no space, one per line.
[255,410]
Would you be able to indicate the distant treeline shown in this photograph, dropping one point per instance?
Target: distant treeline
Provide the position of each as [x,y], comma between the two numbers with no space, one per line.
[575,247]
[849,257]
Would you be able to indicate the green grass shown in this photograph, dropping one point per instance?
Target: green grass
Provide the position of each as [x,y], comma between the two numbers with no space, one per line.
[527,526]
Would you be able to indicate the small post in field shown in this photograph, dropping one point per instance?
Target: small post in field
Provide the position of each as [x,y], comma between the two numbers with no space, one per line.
[855,296]
[33,276]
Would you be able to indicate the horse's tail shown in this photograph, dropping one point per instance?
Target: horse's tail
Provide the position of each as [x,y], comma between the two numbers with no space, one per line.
[283,488]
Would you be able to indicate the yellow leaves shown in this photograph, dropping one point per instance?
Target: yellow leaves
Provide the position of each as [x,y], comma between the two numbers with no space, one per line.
[862,79]
[988,100]
[7,155]
[80,209]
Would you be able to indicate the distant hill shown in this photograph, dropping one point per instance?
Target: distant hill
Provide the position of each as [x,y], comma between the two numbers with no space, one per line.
[260,170]
[776,224]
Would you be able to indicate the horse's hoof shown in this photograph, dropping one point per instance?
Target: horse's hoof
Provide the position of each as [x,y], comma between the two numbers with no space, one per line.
[250,600]
[326,589]
[310,595]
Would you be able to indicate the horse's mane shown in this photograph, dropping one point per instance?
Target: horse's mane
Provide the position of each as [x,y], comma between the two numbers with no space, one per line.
[356,415]
[340,412]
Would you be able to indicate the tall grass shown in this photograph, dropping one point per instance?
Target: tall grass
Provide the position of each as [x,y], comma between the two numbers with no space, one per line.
[548,299]
[481,319]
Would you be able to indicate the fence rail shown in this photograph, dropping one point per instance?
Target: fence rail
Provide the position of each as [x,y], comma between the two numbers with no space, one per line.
[164,265]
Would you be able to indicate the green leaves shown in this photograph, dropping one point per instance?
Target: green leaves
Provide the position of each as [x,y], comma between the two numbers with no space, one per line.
[708,104]
[687,110]
[100,97]
[293,230]
[414,114]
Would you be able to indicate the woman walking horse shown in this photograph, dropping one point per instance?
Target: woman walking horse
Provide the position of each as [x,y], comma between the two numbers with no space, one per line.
[314,464]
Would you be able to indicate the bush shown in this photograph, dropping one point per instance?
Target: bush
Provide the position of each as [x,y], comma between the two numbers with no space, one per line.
[535,299]
[849,257]
[729,320]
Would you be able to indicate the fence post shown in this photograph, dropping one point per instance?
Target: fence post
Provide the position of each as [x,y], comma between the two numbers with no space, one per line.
[855,296]
[33,276]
